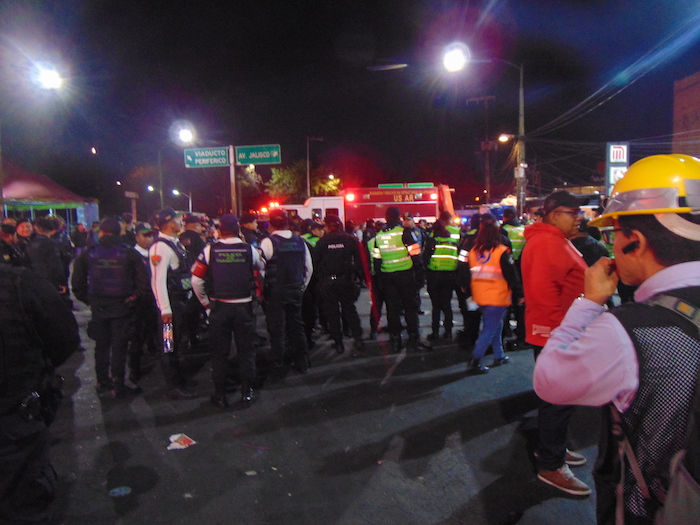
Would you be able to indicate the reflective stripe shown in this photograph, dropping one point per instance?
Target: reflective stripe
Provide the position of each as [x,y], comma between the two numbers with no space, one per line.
[394,254]
[414,249]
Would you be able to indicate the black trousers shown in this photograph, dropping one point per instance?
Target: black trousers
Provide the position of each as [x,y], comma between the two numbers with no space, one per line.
[284,322]
[552,430]
[440,286]
[28,480]
[400,296]
[226,322]
[337,295]
[112,335]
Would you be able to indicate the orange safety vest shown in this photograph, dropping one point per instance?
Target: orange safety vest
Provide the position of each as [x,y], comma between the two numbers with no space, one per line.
[489,287]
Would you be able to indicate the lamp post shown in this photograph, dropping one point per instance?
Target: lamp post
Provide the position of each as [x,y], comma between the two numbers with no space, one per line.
[181,132]
[455,58]
[48,79]
[308,163]
[177,193]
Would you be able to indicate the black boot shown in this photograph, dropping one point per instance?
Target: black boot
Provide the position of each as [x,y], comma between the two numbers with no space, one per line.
[474,367]
[395,343]
[339,347]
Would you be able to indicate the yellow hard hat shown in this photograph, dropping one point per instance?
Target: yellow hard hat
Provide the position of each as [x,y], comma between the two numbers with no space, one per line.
[659,184]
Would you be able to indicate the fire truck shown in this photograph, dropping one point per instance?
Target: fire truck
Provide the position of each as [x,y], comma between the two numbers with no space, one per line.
[424,200]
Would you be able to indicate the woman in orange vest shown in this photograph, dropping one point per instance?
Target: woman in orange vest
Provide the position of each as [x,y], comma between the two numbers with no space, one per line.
[488,274]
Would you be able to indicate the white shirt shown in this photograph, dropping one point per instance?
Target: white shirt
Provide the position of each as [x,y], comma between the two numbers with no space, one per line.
[161,257]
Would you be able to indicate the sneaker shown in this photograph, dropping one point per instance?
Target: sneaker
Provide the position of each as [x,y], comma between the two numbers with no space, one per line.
[564,480]
[574,459]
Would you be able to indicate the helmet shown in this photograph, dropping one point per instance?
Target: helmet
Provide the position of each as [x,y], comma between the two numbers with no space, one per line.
[660,184]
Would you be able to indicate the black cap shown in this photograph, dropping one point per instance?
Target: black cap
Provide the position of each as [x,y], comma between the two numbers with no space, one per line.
[333,219]
[229,223]
[111,226]
[392,213]
[192,219]
[144,227]
[248,217]
[278,218]
[165,215]
[8,229]
[408,215]
[562,198]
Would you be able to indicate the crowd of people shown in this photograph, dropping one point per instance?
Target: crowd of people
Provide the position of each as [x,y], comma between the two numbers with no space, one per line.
[159,286]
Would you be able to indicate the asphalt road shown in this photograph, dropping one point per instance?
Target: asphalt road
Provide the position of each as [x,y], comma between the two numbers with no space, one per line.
[374,439]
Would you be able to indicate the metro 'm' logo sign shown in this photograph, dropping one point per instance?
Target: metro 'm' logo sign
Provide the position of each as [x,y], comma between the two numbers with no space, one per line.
[618,153]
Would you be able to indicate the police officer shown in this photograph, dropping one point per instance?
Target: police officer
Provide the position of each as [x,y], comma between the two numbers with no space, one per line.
[312,231]
[226,269]
[515,231]
[401,276]
[337,265]
[36,329]
[171,282]
[288,272]
[147,315]
[441,255]
[109,278]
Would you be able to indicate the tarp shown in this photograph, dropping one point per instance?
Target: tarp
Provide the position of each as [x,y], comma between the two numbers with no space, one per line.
[24,190]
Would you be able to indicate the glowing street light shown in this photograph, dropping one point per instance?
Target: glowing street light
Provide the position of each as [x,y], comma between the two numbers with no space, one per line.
[178,193]
[49,79]
[455,58]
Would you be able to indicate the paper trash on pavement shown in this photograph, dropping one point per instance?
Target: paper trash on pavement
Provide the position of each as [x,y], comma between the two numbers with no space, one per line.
[180,441]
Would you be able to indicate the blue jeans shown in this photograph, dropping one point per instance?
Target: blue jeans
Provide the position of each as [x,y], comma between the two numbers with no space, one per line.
[490,332]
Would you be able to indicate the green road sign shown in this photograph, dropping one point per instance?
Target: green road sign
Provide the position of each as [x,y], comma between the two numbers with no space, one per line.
[206,157]
[267,154]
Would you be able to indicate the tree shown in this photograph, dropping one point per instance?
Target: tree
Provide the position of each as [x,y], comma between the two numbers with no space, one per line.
[288,184]
[322,184]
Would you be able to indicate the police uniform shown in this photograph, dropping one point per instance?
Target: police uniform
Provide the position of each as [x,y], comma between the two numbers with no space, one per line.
[288,272]
[171,282]
[37,329]
[109,277]
[441,276]
[226,269]
[337,265]
[402,275]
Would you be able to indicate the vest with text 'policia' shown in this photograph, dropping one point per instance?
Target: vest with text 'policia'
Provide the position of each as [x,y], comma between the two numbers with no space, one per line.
[288,262]
[107,272]
[444,258]
[395,255]
[668,352]
[179,281]
[231,271]
[489,287]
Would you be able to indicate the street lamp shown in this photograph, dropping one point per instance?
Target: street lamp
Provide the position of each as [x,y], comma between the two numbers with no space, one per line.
[308,179]
[49,79]
[182,133]
[455,58]
[177,193]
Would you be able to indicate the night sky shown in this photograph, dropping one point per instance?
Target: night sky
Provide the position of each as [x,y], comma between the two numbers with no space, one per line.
[275,72]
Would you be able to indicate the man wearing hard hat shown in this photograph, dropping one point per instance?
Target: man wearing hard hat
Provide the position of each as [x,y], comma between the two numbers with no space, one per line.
[642,357]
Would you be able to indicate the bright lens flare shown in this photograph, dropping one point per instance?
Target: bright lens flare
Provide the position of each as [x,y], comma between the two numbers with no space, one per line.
[50,79]
[455,57]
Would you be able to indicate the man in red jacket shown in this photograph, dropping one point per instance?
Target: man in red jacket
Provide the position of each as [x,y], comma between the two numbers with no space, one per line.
[553,276]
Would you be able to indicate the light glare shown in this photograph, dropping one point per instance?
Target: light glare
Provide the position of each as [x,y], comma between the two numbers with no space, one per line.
[455,57]
[50,79]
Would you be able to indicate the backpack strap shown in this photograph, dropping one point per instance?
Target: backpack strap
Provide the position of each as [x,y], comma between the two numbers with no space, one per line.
[690,313]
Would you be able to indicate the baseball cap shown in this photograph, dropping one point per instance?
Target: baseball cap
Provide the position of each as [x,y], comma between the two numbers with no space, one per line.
[165,215]
[562,198]
[228,223]
[248,217]
[332,219]
[143,227]
[111,226]
[278,218]
[191,219]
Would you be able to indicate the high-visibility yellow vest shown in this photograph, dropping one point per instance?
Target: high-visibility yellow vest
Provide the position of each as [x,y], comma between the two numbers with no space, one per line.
[489,287]
[395,255]
[444,258]
[311,238]
[517,238]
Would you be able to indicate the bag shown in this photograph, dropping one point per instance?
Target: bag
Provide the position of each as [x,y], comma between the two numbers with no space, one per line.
[681,504]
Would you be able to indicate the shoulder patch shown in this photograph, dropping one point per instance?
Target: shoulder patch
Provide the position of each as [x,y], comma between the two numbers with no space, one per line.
[155,260]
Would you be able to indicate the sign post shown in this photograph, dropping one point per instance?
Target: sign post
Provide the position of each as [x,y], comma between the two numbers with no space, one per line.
[618,160]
